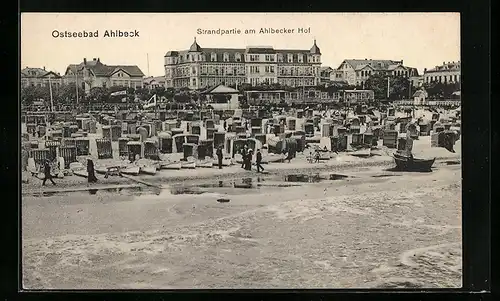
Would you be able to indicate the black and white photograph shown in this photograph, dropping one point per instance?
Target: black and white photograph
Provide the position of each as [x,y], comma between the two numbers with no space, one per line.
[240,151]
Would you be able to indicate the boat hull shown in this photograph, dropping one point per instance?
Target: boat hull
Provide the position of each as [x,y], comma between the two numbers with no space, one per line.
[188,165]
[148,171]
[172,165]
[225,162]
[406,164]
[205,164]
[134,171]
[81,173]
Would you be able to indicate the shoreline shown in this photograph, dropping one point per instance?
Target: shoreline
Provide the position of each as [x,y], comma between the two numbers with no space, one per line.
[70,184]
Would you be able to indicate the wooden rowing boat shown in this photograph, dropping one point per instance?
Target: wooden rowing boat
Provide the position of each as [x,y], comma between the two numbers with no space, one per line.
[405,163]
[132,171]
[171,165]
[101,170]
[205,163]
[81,173]
[225,162]
[324,155]
[362,152]
[188,164]
[148,170]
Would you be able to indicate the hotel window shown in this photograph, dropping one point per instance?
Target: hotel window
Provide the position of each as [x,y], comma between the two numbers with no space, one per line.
[280,58]
[237,57]
[290,58]
[193,70]
[272,69]
[300,58]
[213,57]
[226,57]
[456,80]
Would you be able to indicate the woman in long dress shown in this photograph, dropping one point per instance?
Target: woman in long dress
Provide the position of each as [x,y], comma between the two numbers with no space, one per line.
[91,171]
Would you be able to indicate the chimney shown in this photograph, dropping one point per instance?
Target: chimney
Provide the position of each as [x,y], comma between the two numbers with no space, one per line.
[43,68]
[98,60]
[425,69]
[94,59]
[401,62]
[84,61]
[444,63]
[366,59]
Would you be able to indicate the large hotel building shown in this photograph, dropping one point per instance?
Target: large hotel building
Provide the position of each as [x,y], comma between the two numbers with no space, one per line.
[199,67]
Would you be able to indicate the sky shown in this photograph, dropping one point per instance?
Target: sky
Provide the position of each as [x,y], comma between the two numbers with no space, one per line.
[421,40]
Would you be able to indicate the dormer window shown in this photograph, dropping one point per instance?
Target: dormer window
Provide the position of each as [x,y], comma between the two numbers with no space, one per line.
[280,57]
[226,57]
[213,57]
[187,57]
[300,58]
[237,57]
[290,58]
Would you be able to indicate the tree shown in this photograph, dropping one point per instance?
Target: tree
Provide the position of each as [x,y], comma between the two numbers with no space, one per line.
[99,94]
[29,94]
[398,86]
[377,83]
[67,93]
[244,87]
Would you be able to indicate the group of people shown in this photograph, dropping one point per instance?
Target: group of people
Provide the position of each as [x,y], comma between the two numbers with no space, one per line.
[47,172]
[247,155]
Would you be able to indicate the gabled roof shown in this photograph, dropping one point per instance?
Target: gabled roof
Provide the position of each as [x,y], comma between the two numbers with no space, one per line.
[450,66]
[151,79]
[375,64]
[395,66]
[221,89]
[100,69]
[130,70]
[37,72]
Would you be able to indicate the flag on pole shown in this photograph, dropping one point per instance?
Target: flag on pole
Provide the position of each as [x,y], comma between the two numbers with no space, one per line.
[151,103]
[118,93]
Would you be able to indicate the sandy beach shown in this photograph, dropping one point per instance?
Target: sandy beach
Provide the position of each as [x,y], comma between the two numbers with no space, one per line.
[374,228]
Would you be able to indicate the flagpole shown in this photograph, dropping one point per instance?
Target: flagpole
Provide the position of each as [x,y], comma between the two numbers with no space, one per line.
[388,78]
[51,99]
[76,85]
[147,54]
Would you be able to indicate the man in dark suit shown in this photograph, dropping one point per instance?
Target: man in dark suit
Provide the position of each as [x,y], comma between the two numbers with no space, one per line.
[219,156]
[258,161]
[46,171]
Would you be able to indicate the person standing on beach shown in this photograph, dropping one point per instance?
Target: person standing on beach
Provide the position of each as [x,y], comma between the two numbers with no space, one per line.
[46,171]
[219,156]
[244,154]
[248,160]
[258,161]
[91,171]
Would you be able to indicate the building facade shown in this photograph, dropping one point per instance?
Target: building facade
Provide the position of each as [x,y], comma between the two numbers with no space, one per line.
[199,67]
[356,72]
[90,74]
[153,82]
[325,74]
[39,77]
[446,73]
[310,95]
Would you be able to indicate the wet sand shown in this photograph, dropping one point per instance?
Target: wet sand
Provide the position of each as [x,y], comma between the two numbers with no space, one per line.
[376,229]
